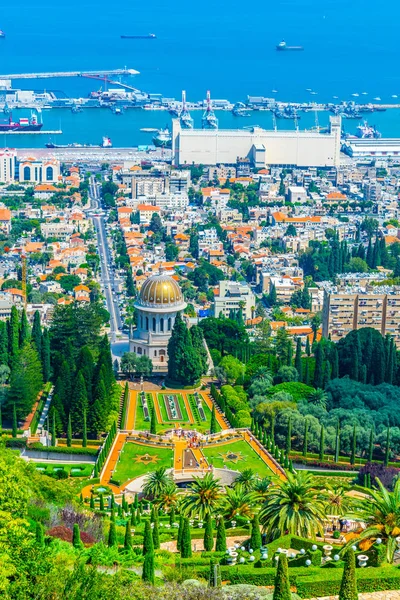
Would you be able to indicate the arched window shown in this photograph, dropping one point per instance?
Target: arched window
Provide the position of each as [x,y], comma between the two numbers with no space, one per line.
[169,323]
[27,173]
[139,351]
[161,324]
[154,323]
[161,359]
[147,323]
[155,352]
[49,174]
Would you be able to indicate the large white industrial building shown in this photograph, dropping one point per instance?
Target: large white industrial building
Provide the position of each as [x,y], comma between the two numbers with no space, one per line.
[262,147]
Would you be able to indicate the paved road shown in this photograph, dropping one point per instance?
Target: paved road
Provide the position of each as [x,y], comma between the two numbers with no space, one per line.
[107,276]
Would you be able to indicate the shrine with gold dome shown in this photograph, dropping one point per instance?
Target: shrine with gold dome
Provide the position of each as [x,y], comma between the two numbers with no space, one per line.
[159,301]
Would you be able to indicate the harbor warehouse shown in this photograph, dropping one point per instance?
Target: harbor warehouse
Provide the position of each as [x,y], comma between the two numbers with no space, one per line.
[262,147]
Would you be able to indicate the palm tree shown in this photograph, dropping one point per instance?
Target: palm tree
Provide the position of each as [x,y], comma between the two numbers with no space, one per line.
[204,496]
[238,502]
[260,491]
[337,501]
[295,506]
[156,483]
[247,479]
[380,511]
[168,498]
[319,398]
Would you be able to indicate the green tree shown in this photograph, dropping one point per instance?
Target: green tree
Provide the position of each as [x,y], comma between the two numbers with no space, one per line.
[39,535]
[37,333]
[255,539]
[148,546]
[322,444]
[371,445]
[208,534]
[69,432]
[289,436]
[297,360]
[180,532]
[203,497]
[186,543]
[220,544]
[112,535]
[184,363]
[26,380]
[3,343]
[84,431]
[213,422]
[348,586]
[128,536]
[13,333]
[14,422]
[156,535]
[387,448]
[353,447]
[79,403]
[148,568]
[24,329]
[153,422]
[76,537]
[305,438]
[282,584]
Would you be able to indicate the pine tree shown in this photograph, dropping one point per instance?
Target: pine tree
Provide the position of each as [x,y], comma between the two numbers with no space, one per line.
[3,343]
[53,428]
[305,439]
[148,568]
[208,534]
[99,410]
[37,332]
[348,587]
[24,329]
[319,366]
[371,445]
[387,448]
[184,364]
[112,535]
[289,436]
[69,432]
[153,421]
[308,348]
[156,535]
[322,444]
[79,403]
[76,536]
[148,545]
[282,585]
[85,364]
[84,432]
[128,536]
[13,334]
[255,539]
[297,359]
[353,447]
[220,544]
[14,422]
[213,422]
[39,535]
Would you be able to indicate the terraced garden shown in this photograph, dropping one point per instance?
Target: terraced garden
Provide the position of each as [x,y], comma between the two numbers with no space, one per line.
[236,456]
[139,459]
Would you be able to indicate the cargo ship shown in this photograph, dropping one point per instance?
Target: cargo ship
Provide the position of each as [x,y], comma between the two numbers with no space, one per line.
[106,143]
[2,34]
[22,125]
[282,47]
[149,36]
[163,138]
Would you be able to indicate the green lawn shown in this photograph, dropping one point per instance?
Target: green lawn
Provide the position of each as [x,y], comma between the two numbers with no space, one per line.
[78,470]
[129,468]
[249,458]
[140,423]
[162,403]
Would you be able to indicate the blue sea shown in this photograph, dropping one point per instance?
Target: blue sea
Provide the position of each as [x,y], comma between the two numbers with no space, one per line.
[350,47]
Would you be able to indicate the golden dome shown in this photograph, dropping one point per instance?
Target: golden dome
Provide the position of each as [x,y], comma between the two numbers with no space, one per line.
[160,290]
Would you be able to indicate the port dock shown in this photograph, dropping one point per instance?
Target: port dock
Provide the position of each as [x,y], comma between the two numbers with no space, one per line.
[55,132]
[90,74]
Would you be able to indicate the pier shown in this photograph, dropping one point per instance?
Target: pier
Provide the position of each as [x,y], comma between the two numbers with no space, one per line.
[90,74]
[55,132]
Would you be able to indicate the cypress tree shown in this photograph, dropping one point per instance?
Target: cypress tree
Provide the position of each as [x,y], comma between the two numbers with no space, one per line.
[148,568]
[69,432]
[128,536]
[84,433]
[39,535]
[91,504]
[184,364]
[273,427]
[290,353]
[307,373]
[138,516]
[208,534]
[255,539]
[297,359]
[13,334]
[172,516]
[214,578]
[112,535]
[322,444]
[45,355]
[213,422]
[3,343]
[37,332]
[53,428]
[148,545]
[319,366]
[156,535]
[353,447]
[308,348]
[186,543]
[371,445]
[180,532]
[23,329]
[220,544]
[76,536]
[334,356]
[282,585]
[289,436]
[133,519]
[79,403]
[348,586]
[101,502]
[14,422]
[369,258]
[136,501]
[387,449]
[337,442]
[153,422]
[305,439]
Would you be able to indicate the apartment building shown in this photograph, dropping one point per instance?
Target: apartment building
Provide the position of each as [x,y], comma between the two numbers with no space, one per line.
[348,308]
[233,296]
[8,161]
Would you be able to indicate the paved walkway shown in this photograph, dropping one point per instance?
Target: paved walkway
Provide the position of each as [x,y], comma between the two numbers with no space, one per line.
[131,412]
[264,455]
[157,407]
[179,449]
[218,415]
[388,595]
[113,458]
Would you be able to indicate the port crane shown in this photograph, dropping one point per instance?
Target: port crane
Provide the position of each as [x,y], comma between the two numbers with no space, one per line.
[185,118]
[209,120]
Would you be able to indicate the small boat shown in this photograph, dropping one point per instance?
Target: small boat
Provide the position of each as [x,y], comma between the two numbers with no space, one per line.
[163,138]
[149,36]
[377,98]
[274,91]
[2,34]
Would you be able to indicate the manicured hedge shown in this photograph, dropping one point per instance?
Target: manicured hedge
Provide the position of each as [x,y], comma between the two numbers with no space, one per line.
[62,449]
[16,442]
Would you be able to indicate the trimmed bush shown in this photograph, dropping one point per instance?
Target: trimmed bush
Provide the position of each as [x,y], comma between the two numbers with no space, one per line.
[282,584]
[348,587]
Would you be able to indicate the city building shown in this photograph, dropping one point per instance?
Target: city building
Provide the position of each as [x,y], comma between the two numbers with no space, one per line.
[258,146]
[349,308]
[231,297]
[33,170]
[8,163]
[159,301]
